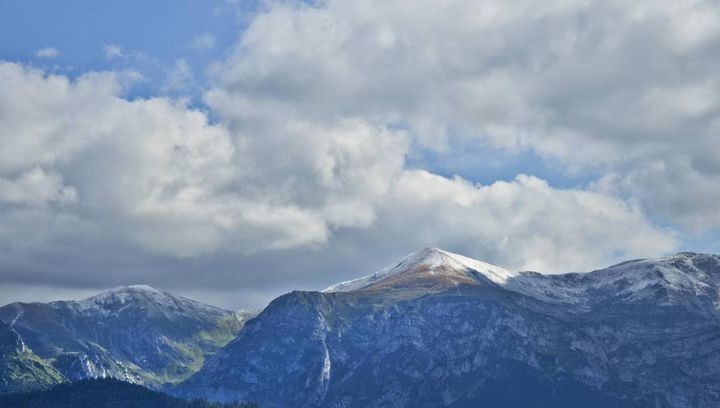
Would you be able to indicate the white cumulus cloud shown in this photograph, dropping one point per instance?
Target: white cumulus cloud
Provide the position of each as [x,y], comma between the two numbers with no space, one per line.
[158,175]
[301,145]
[599,87]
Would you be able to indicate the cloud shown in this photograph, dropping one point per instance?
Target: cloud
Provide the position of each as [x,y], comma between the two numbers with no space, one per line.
[595,86]
[114,51]
[96,171]
[521,224]
[204,41]
[47,52]
[680,188]
[159,174]
[35,187]
[180,78]
[294,173]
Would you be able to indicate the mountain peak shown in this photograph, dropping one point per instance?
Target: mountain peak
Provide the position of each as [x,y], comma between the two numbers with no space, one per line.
[124,293]
[142,288]
[428,267]
[130,297]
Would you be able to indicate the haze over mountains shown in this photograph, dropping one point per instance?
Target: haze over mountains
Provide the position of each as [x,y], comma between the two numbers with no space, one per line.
[436,329]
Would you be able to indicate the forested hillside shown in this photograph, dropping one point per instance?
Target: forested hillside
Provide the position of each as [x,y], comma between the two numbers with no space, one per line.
[105,393]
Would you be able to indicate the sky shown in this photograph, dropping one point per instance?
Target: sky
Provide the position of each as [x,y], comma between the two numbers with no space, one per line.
[232,151]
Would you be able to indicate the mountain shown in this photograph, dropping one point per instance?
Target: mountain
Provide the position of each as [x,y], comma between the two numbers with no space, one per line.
[428,269]
[439,329]
[105,393]
[134,333]
[20,368]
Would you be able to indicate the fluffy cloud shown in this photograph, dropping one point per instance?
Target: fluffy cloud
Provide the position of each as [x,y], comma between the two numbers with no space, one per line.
[597,86]
[521,224]
[34,188]
[159,174]
[679,188]
[309,122]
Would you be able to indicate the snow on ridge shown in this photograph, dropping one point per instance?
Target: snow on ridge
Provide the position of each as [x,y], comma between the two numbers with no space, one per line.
[494,273]
[126,293]
[677,272]
[431,258]
[117,299]
[680,273]
[144,288]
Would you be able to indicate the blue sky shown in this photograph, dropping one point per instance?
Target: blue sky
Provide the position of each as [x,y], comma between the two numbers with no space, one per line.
[260,141]
[155,35]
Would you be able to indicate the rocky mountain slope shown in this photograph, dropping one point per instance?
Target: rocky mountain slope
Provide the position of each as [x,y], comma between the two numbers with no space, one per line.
[439,329]
[134,333]
[21,369]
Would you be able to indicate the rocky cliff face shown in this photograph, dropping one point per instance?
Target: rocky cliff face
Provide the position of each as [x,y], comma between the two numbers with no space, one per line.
[133,333]
[438,329]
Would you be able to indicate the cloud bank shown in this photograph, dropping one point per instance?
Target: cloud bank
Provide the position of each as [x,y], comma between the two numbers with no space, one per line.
[301,150]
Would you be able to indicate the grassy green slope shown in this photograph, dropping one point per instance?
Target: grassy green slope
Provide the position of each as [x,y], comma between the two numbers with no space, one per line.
[20,368]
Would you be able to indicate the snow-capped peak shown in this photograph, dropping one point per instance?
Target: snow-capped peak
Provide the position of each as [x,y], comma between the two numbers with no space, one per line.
[121,293]
[120,297]
[142,288]
[123,298]
[429,261]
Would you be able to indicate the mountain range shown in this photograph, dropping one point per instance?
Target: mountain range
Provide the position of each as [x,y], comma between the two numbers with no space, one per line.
[134,333]
[435,329]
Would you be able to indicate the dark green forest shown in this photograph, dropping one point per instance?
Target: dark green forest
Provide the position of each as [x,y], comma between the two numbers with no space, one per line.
[105,393]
